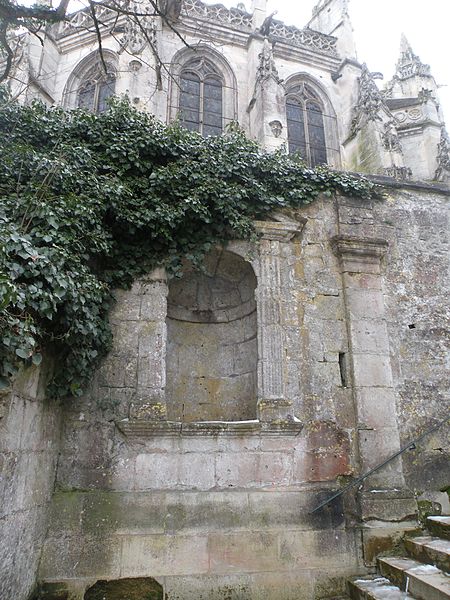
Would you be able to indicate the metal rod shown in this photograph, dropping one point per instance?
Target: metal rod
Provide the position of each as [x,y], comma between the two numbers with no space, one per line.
[381,465]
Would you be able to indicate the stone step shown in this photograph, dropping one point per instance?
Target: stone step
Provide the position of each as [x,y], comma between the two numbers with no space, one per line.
[376,588]
[439,526]
[431,550]
[425,582]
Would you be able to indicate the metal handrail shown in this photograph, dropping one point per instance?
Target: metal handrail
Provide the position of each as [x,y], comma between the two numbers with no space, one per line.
[381,465]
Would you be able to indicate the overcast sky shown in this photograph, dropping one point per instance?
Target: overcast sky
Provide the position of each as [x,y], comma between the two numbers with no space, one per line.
[378,25]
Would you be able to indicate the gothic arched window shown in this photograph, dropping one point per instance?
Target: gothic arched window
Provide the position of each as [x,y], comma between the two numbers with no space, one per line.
[95,88]
[305,123]
[200,100]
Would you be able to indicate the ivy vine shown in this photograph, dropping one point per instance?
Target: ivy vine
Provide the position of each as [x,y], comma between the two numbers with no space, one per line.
[89,202]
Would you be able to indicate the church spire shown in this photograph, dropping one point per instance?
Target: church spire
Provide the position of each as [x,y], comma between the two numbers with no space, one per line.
[409,64]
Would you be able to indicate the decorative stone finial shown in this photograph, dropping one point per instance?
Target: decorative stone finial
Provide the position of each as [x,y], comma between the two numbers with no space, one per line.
[409,64]
[267,66]
[370,100]
[443,157]
[390,139]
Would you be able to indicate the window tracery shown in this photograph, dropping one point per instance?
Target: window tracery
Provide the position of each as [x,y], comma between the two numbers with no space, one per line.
[305,123]
[201,97]
[96,87]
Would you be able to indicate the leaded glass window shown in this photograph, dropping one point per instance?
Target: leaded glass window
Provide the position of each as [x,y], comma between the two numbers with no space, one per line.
[201,103]
[96,88]
[305,122]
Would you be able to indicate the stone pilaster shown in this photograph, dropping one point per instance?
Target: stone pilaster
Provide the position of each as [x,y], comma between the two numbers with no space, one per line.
[374,392]
[139,317]
[273,405]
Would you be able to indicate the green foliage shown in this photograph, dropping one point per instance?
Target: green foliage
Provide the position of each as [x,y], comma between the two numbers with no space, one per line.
[89,202]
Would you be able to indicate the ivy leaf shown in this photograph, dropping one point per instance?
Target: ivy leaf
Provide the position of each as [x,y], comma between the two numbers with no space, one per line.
[36,359]
[103,199]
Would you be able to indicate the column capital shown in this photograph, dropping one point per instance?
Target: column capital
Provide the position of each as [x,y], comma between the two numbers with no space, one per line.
[278,231]
[360,255]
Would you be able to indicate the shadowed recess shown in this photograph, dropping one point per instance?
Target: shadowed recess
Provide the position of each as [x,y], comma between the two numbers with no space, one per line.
[212,347]
[140,588]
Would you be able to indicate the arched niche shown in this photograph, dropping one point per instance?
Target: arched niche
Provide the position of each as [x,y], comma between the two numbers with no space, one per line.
[212,353]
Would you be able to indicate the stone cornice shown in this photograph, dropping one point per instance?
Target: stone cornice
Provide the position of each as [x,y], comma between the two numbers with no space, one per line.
[279,231]
[355,247]
[144,429]
[305,55]
[423,186]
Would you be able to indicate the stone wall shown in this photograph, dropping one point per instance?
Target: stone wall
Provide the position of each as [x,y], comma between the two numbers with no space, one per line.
[417,227]
[29,440]
[352,319]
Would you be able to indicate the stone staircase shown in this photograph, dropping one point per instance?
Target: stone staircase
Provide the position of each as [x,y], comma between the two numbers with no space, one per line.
[424,575]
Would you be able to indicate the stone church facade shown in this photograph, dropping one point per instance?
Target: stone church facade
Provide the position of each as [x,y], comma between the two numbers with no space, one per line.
[237,401]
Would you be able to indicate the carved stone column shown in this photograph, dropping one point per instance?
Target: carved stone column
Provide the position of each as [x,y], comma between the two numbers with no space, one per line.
[273,405]
[384,496]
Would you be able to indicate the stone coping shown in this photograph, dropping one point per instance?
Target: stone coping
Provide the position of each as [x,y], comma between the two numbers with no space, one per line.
[142,428]
[391,182]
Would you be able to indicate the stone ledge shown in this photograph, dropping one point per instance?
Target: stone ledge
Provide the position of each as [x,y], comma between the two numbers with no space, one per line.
[390,182]
[143,429]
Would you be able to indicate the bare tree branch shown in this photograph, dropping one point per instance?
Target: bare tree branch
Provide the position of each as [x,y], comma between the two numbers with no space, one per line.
[35,18]
[9,53]
[99,35]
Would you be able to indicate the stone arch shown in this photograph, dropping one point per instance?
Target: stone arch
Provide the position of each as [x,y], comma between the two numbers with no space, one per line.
[138,588]
[329,114]
[212,354]
[82,70]
[222,66]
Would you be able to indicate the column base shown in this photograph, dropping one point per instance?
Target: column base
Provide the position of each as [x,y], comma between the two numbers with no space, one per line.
[151,408]
[275,410]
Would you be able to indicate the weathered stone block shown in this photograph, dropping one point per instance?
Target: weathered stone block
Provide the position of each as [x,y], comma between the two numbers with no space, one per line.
[196,471]
[204,587]
[382,540]
[372,370]
[65,513]
[291,585]
[127,307]
[376,407]
[327,308]
[292,510]
[243,552]
[369,336]
[233,471]
[126,338]
[156,471]
[154,302]
[164,555]
[120,372]
[365,304]
[275,469]
[11,422]
[388,505]
[206,511]
[362,281]
[318,549]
